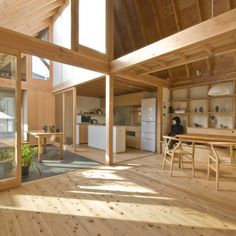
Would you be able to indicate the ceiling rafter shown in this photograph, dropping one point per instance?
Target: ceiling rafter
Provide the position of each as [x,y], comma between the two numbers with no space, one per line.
[198,10]
[174,5]
[141,22]
[37,7]
[129,27]
[157,18]
[221,27]
[179,28]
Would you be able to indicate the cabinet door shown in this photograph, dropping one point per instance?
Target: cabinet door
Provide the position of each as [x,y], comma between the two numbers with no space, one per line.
[83,134]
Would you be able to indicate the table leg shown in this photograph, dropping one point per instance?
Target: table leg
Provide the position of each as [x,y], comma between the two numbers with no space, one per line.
[61,148]
[44,145]
[39,150]
[193,159]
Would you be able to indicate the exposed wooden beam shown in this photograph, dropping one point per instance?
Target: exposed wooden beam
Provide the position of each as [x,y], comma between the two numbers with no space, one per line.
[8,83]
[188,38]
[207,49]
[187,69]
[144,79]
[33,46]
[198,10]
[174,5]
[210,65]
[206,80]
[194,58]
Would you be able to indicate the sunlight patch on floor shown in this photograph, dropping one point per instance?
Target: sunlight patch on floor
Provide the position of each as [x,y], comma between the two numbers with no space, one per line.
[155,213]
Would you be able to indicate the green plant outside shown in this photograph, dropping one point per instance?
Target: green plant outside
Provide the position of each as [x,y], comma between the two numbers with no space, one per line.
[6,155]
[27,154]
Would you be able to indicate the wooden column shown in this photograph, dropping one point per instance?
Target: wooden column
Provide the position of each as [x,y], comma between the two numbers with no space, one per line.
[18,119]
[74,118]
[63,116]
[74,24]
[159,118]
[109,120]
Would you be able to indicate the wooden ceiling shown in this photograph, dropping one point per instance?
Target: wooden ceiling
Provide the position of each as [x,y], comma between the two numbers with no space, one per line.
[28,16]
[96,88]
[141,22]
[144,22]
[138,23]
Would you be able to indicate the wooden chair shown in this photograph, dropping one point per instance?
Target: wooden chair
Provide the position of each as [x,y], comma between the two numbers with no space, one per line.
[214,159]
[177,154]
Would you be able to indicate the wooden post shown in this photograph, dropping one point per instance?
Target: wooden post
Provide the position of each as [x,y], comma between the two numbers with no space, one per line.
[63,117]
[18,120]
[109,120]
[74,118]
[74,24]
[159,118]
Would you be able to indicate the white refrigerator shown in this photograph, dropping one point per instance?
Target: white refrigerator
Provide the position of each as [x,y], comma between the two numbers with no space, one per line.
[148,124]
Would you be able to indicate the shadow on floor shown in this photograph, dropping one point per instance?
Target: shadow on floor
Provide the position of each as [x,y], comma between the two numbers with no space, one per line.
[52,165]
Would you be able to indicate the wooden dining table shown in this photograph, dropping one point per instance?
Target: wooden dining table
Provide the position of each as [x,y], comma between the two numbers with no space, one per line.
[206,139]
[42,141]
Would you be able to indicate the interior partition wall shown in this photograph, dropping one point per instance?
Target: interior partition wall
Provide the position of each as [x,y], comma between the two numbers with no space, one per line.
[10,121]
[68,117]
[65,115]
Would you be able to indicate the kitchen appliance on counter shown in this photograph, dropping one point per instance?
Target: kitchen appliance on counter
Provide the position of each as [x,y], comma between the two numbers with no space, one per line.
[83,119]
[94,121]
[148,124]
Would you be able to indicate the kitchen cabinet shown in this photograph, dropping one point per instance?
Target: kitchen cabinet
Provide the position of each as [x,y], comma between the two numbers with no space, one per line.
[81,133]
[133,136]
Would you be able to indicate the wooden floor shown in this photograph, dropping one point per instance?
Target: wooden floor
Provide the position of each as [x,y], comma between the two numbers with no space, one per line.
[133,197]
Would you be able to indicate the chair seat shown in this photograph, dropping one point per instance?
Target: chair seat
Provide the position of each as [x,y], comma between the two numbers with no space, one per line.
[180,152]
[176,155]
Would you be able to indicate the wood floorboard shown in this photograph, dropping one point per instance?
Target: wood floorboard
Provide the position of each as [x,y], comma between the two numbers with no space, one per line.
[132,197]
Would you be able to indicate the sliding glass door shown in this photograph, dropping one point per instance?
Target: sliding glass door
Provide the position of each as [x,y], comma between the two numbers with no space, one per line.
[9,124]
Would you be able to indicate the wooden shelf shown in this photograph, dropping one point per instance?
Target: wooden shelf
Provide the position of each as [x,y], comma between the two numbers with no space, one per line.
[196,97]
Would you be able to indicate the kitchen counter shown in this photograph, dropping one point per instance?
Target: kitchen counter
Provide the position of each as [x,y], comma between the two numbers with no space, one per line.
[97,137]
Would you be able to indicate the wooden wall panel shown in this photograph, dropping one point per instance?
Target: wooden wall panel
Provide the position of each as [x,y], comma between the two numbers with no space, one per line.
[40,110]
[131,99]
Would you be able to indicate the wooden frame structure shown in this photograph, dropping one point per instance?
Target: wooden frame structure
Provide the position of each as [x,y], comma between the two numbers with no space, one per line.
[190,45]
[15,181]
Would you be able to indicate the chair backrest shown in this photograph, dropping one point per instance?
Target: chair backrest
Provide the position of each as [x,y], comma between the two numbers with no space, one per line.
[168,140]
[215,145]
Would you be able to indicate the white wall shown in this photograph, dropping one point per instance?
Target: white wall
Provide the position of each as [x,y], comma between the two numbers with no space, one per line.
[62,36]
[88,104]
[62,28]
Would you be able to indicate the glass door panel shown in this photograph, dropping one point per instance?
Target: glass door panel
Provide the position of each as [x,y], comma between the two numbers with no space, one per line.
[9,171]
